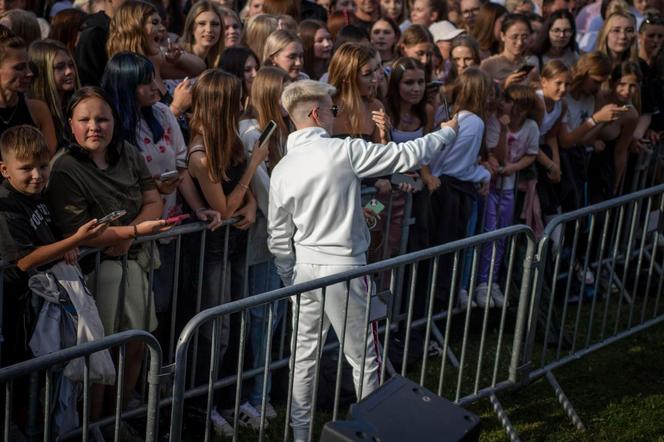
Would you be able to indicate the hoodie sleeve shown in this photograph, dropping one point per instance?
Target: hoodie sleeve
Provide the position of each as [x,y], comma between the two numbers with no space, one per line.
[371,160]
[280,230]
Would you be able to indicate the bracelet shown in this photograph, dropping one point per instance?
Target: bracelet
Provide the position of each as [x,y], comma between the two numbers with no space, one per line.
[135,231]
[592,121]
[244,186]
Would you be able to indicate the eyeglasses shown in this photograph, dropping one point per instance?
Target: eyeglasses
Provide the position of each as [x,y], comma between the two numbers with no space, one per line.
[624,31]
[558,31]
[470,12]
[334,109]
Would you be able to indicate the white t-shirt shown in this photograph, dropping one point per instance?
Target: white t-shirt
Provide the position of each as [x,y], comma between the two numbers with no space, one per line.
[524,141]
[165,155]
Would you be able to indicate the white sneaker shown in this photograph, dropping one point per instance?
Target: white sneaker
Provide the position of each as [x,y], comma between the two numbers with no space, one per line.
[497,295]
[270,412]
[462,299]
[221,425]
[482,296]
[248,416]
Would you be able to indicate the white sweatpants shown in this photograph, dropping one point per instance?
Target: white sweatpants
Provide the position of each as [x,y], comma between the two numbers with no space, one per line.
[304,367]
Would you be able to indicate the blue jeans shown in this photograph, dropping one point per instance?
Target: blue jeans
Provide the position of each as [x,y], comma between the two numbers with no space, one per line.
[263,278]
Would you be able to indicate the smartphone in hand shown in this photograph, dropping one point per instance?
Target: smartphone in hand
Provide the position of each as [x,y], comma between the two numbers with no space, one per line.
[267,133]
[177,219]
[168,176]
[526,68]
[113,216]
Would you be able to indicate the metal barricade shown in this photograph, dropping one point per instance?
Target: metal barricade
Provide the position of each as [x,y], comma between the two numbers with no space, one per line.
[490,361]
[51,366]
[599,279]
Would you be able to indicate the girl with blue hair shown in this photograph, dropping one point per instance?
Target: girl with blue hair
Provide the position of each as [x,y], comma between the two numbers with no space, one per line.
[148,124]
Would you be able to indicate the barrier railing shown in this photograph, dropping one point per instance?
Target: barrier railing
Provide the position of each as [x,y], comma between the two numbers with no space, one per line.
[599,279]
[51,366]
[186,256]
[493,361]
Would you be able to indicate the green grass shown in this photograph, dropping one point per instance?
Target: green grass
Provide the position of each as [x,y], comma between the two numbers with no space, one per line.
[618,393]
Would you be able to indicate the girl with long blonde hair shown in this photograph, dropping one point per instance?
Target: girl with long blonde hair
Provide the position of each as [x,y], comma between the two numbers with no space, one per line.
[136,27]
[454,176]
[617,38]
[216,161]
[202,32]
[256,31]
[232,28]
[284,49]
[354,71]
[55,81]
[263,276]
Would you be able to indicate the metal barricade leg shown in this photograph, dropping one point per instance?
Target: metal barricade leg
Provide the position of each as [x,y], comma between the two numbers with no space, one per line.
[504,420]
[565,402]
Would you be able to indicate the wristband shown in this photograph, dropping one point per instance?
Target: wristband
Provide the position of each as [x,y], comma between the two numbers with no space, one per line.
[592,121]
[135,231]
[244,186]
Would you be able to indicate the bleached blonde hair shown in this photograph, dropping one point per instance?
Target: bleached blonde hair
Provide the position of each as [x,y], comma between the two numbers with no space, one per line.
[304,91]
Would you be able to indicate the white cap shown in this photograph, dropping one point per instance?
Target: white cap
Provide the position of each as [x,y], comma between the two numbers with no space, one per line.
[444,30]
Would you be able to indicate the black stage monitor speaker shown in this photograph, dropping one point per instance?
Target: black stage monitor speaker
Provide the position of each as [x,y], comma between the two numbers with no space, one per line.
[402,411]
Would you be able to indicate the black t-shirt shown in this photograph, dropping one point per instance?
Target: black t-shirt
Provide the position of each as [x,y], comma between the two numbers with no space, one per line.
[25,224]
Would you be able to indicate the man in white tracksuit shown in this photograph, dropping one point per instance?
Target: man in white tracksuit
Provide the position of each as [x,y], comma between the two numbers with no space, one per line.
[316,228]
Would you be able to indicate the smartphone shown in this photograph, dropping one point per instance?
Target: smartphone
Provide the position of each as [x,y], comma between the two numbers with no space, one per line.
[113,216]
[375,206]
[399,178]
[435,84]
[526,68]
[177,219]
[167,176]
[267,133]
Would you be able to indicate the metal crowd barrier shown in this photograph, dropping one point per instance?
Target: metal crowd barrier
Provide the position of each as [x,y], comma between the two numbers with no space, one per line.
[490,360]
[51,366]
[599,279]
[188,250]
[613,245]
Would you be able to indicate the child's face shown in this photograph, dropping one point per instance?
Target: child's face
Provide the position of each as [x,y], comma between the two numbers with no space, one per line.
[556,87]
[92,124]
[26,176]
[64,72]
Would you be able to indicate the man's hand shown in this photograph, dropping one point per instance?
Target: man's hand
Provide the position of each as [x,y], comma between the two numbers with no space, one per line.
[452,124]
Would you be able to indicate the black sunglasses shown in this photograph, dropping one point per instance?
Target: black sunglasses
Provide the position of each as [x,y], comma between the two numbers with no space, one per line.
[334,109]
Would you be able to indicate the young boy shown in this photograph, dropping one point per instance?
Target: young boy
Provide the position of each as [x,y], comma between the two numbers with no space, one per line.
[26,239]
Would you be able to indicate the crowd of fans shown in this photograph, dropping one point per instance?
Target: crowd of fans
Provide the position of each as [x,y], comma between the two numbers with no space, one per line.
[101,99]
